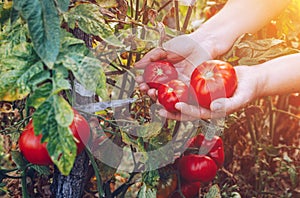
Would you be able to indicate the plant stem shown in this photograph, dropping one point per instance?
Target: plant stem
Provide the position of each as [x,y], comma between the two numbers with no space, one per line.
[187,18]
[177,15]
[97,174]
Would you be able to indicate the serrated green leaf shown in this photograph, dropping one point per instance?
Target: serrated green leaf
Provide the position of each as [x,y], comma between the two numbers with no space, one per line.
[44,27]
[214,192]
[40,95]
[63,5]
[90,20]
[15,82]
[150,178]
[18,159]
[48,120]
[62,148]
[150,130]
[63,112]
[42,170]
[87,71]
[146,192]
[59,79]
[4,13]
[249,51]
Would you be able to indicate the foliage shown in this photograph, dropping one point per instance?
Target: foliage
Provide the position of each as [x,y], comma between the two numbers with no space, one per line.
[38,58]
[41,58]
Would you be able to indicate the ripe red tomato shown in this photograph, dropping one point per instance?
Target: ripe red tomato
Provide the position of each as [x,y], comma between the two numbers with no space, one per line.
[171,93]
[212,148]
[211,80]
[159,72]
[32,148]
[194,168]
[81,131]
[188,189]
[36,152]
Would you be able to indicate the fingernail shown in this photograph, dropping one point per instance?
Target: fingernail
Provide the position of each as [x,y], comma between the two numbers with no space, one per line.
[178,105]
[216,106]
[162,113]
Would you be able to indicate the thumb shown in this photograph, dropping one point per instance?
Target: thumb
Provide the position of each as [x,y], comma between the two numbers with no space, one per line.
[227,105]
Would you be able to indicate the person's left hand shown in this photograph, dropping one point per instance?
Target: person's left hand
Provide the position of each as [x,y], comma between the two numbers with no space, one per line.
[247,90]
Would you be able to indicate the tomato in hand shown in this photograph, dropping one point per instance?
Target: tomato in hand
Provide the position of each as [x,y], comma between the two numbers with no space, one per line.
[159,72]
[171,93]
[36,152]
[194,168]
[211,80]
[32,148]
[188,190]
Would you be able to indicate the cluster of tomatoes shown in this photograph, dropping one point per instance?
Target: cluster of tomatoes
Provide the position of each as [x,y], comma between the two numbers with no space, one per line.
[210,80]
[36,152]
[199,164]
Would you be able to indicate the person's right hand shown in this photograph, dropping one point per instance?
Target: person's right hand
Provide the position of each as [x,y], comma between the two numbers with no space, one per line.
[183,51]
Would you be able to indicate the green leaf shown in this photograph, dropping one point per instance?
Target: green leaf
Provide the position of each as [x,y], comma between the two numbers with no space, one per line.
[19,78]
[42,170]
[59,79]
[87,71]
[4,13]
[63,5]
[52,119]
[150,178]
[40,95]
[63,112]
[18,159]
[146,192]
[214,192]
[249,51]
[44,27]
[90,20]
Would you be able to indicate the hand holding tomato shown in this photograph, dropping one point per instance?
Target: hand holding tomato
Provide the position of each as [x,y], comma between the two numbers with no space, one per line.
[247,90]
[182,51]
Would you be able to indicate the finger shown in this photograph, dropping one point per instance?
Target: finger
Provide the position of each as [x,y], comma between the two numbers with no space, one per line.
[139,79]
[229,105]
[143,87]
[153,55]
[193,111]
[152,93]
[175,116]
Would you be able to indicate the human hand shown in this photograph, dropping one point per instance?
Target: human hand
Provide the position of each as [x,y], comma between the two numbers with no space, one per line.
[183,51]
[247,90]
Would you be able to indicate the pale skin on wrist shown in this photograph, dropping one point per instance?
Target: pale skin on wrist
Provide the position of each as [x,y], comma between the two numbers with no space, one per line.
[280,75]
[236,18]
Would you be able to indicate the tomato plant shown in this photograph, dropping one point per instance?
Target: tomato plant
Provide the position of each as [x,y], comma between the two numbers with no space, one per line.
[159,72]
[211,80]
[197,168]
[36,152]
[171,93]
